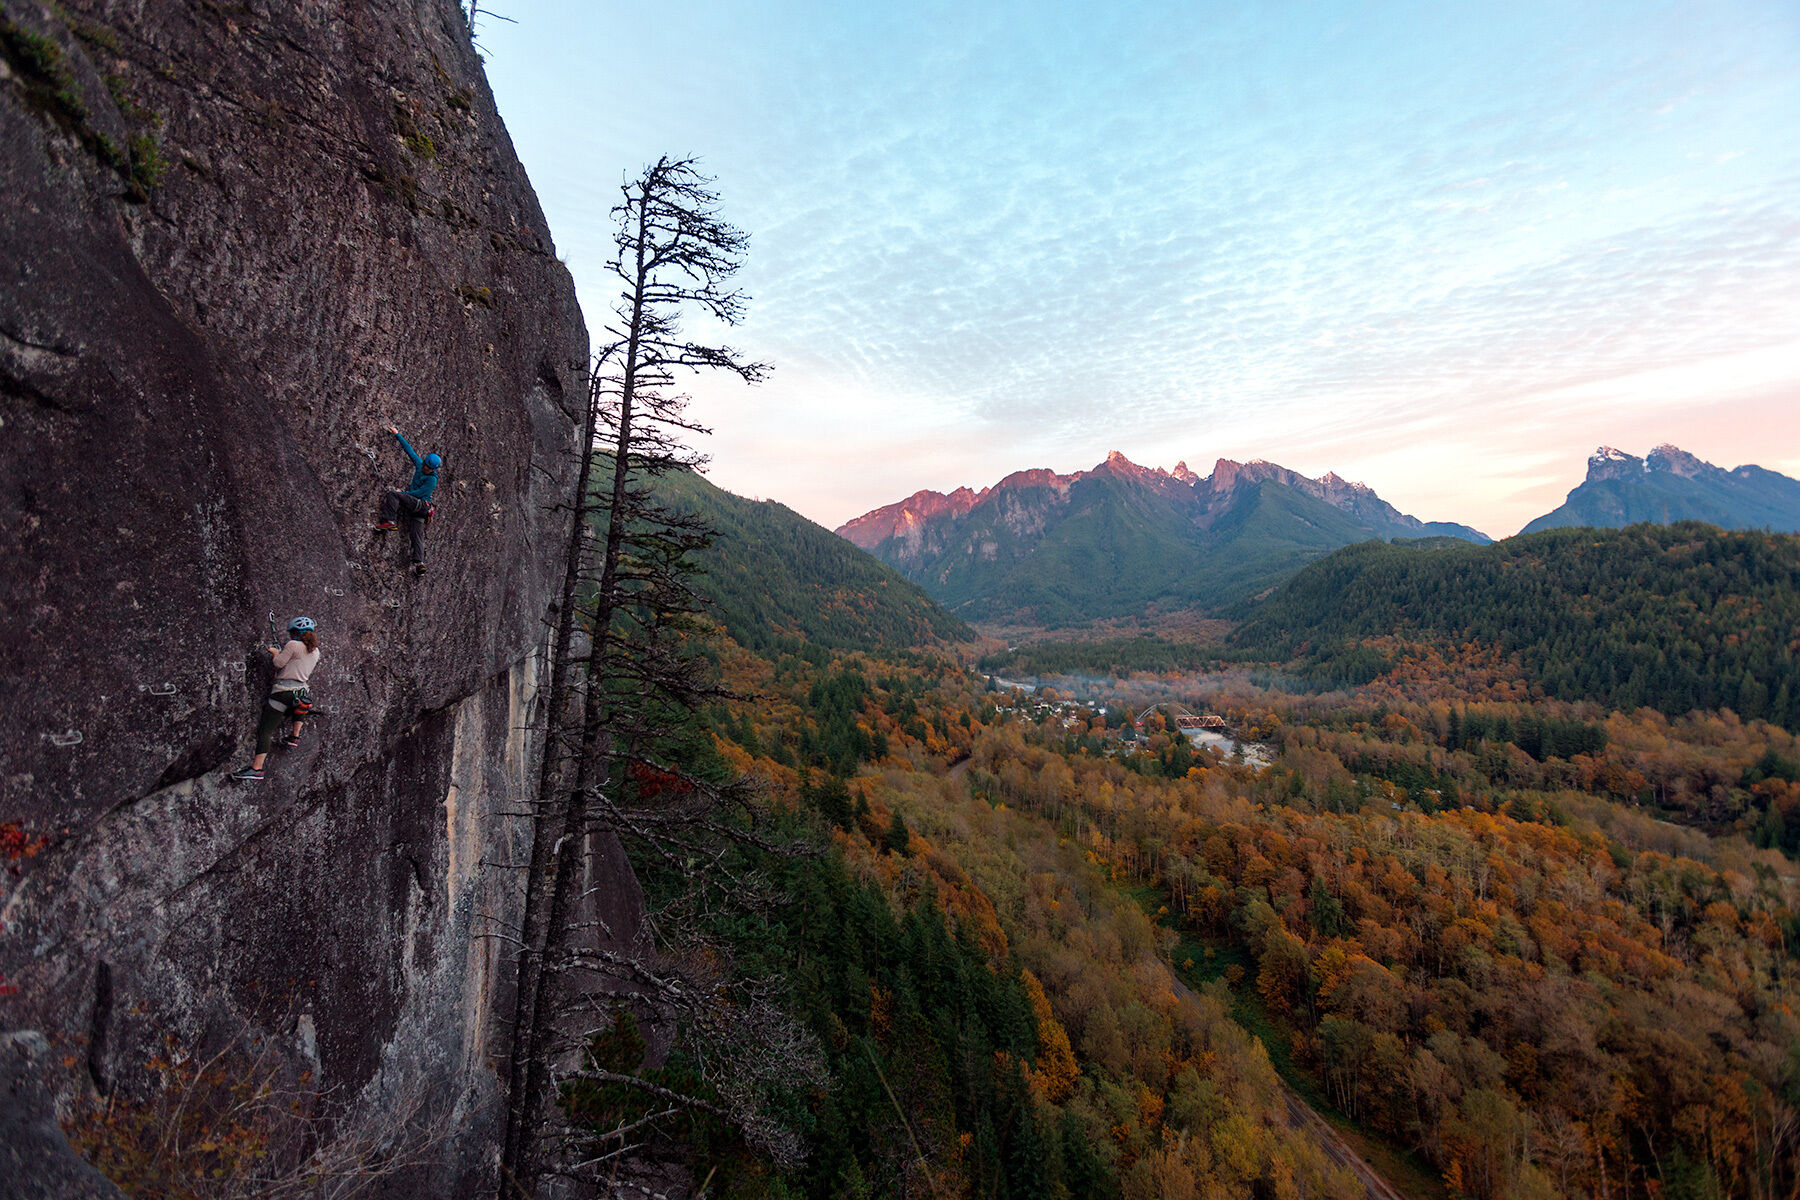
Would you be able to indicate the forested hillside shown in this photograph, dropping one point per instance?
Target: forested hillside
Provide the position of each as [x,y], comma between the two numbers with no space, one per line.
[997,1009]
[1676,617]
[1444,923]
[1541,993]
[775,575]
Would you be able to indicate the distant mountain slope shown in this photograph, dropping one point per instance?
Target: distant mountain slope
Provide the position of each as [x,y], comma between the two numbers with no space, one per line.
[1123,539]
[1669,485]
[1676,617]
[771,573]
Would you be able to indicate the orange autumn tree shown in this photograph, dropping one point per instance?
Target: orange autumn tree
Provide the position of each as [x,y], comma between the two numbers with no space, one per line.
[1055,1074]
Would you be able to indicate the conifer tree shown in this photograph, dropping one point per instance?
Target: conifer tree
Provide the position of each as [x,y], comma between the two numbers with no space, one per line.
[621,741]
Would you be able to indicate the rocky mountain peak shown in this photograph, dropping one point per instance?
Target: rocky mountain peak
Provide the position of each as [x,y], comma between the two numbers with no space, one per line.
[1228,475]
[1343,492]
[1118,465]
[1608,463]
[1048,547]
[1669,485]
[1037,477]
[909,514]
[1676,461]
[1225,474]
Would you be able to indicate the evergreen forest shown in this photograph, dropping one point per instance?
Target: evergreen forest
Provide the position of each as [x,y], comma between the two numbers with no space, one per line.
[1673,617]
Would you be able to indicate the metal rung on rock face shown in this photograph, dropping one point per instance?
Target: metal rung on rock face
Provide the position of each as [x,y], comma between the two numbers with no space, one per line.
[331,591]
[72,738]
[390,604]
[237,668]
[158,689]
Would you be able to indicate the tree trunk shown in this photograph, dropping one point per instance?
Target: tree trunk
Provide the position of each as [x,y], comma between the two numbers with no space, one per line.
[548,817]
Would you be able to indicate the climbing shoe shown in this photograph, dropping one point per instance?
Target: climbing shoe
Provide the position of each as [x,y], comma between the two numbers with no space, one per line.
[418,568]
[290,741]
[247,775]
[385,526]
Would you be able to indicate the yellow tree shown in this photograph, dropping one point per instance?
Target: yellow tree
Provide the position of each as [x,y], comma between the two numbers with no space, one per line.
[1055,1073]
[1283,971]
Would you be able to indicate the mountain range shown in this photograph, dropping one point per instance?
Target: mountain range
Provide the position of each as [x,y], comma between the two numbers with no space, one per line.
[1121,539]
[1669,485]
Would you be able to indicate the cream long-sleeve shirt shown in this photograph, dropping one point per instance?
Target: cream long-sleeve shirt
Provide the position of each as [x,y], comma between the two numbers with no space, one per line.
[294,666]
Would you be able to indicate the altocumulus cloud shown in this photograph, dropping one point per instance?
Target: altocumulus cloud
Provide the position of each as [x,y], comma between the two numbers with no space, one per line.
[989,223]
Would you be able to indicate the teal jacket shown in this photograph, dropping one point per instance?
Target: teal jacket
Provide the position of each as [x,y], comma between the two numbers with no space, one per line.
[424,480]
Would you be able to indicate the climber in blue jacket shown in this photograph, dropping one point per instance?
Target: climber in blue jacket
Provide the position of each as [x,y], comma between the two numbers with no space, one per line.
[414,502]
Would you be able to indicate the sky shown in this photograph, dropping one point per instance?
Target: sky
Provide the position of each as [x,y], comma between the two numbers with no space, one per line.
[1444,249]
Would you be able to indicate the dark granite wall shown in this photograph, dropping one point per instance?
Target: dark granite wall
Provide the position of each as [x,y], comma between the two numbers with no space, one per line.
[200,348]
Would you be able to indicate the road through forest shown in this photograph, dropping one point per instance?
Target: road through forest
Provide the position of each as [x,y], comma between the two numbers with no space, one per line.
[1303,1115]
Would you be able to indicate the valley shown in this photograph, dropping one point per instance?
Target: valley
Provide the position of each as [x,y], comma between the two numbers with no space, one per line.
[1505,943]
[1404,914]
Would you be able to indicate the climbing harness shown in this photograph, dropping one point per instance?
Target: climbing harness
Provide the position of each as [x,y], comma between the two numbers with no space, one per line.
[297,709]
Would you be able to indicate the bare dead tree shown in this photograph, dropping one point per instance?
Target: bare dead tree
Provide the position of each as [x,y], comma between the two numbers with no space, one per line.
[619,719]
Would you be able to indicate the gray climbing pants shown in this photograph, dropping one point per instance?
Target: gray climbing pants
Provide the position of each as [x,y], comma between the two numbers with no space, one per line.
[396,503]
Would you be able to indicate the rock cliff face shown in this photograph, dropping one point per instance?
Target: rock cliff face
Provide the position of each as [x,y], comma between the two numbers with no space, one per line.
[238,241]
[908,517]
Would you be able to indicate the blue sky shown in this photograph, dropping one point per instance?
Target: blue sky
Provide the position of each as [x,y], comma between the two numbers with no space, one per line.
[1444,248]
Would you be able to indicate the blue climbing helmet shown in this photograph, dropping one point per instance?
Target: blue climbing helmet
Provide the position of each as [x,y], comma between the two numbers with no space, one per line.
[301,625]
[433,462]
